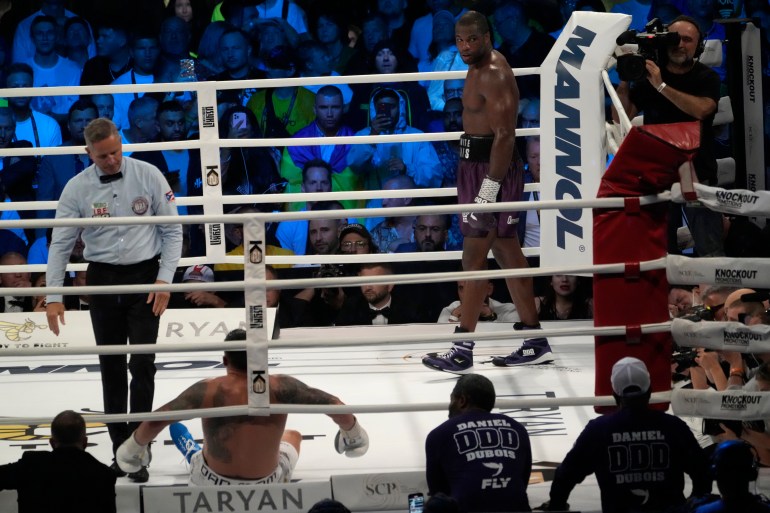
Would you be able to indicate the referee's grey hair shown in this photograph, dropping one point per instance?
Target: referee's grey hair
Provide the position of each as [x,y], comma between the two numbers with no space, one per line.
[99,130]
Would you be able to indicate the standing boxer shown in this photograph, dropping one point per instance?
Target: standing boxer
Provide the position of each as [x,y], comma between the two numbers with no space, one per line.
[118,255]
[489,169]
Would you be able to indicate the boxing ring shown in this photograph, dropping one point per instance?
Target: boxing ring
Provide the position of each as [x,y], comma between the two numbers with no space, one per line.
[376,371]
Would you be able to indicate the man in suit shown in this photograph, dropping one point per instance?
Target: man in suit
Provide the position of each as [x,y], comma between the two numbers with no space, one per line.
[56,170]
[375,305]
[67,479]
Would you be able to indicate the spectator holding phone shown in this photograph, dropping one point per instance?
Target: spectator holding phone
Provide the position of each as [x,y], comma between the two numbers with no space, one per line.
[174,40]
[381,162]
[246,170]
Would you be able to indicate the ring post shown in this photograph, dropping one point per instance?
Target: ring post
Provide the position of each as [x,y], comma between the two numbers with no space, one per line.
[572,132]
[256,316]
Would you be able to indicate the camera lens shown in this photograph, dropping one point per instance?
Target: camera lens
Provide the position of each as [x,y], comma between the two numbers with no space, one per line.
[631,67]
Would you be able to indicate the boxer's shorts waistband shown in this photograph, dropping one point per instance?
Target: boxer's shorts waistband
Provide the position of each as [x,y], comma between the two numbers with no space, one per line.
[475,148]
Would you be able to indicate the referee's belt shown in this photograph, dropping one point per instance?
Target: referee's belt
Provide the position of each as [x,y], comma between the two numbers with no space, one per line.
[128,268]
[476,148]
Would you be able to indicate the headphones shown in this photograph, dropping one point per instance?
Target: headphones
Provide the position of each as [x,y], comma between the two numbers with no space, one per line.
[736,459]
[701,46]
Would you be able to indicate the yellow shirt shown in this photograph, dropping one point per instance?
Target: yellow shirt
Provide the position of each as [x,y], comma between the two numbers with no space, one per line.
[270,250]
[301,114]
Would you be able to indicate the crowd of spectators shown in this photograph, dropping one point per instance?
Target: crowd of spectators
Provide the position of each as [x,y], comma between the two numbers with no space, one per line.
[48,43]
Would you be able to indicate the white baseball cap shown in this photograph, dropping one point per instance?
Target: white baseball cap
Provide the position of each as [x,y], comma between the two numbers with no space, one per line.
[630,372]
[199,273]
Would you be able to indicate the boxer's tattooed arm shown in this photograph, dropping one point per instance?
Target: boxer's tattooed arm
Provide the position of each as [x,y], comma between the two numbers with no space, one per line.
[292,391]
[189,399]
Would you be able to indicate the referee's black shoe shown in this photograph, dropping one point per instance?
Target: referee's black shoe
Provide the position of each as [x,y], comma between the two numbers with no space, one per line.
[140,476]
[116,469]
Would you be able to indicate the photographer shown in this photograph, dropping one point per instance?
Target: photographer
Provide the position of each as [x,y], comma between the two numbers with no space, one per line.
[745,306]
[321,306]
[703,369]
[677,88]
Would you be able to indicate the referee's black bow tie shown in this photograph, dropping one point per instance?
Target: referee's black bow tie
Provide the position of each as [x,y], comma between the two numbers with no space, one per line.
[385,312]
[110,178]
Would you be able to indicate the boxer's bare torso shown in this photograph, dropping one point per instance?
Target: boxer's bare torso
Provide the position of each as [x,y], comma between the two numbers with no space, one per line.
[246,447]
[490,84]
[490,96]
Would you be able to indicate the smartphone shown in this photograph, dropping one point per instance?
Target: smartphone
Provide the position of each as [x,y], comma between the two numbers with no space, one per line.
[239,118]
[383,108]
[187,70]
[711,427]
[416,502]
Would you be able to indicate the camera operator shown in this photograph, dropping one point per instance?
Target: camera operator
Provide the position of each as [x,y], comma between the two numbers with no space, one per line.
[678,88]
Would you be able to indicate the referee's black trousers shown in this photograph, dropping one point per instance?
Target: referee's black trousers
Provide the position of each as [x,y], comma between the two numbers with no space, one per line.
[116,319]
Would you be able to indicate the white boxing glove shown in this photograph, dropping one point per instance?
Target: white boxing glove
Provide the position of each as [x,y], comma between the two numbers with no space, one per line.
[132,456]
[353,442]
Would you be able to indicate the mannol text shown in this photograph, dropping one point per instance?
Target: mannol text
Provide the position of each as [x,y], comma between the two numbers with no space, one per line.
[568,140]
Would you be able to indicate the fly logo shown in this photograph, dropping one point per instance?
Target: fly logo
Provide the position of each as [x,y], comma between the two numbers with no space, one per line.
[495,483]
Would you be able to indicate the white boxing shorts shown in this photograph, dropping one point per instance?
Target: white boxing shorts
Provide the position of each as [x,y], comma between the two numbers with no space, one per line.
[202,475]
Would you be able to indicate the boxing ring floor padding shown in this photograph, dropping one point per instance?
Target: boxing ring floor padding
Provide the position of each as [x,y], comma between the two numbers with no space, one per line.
[388,374]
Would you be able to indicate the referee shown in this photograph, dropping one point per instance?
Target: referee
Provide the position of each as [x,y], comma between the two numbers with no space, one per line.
[115,186]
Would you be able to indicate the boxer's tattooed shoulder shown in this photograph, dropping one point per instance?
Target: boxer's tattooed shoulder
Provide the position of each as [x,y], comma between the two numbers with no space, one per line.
[190,398]
[293,391]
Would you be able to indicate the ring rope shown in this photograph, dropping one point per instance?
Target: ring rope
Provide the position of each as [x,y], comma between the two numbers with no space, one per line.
[231,411]
[260,143]
[439,277]
[312,342]
[625,121]
[266,83]
[433,256]
[439,192]
[573,204]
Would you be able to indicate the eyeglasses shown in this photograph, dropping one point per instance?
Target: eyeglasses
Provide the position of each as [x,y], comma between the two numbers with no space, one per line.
[357,243]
